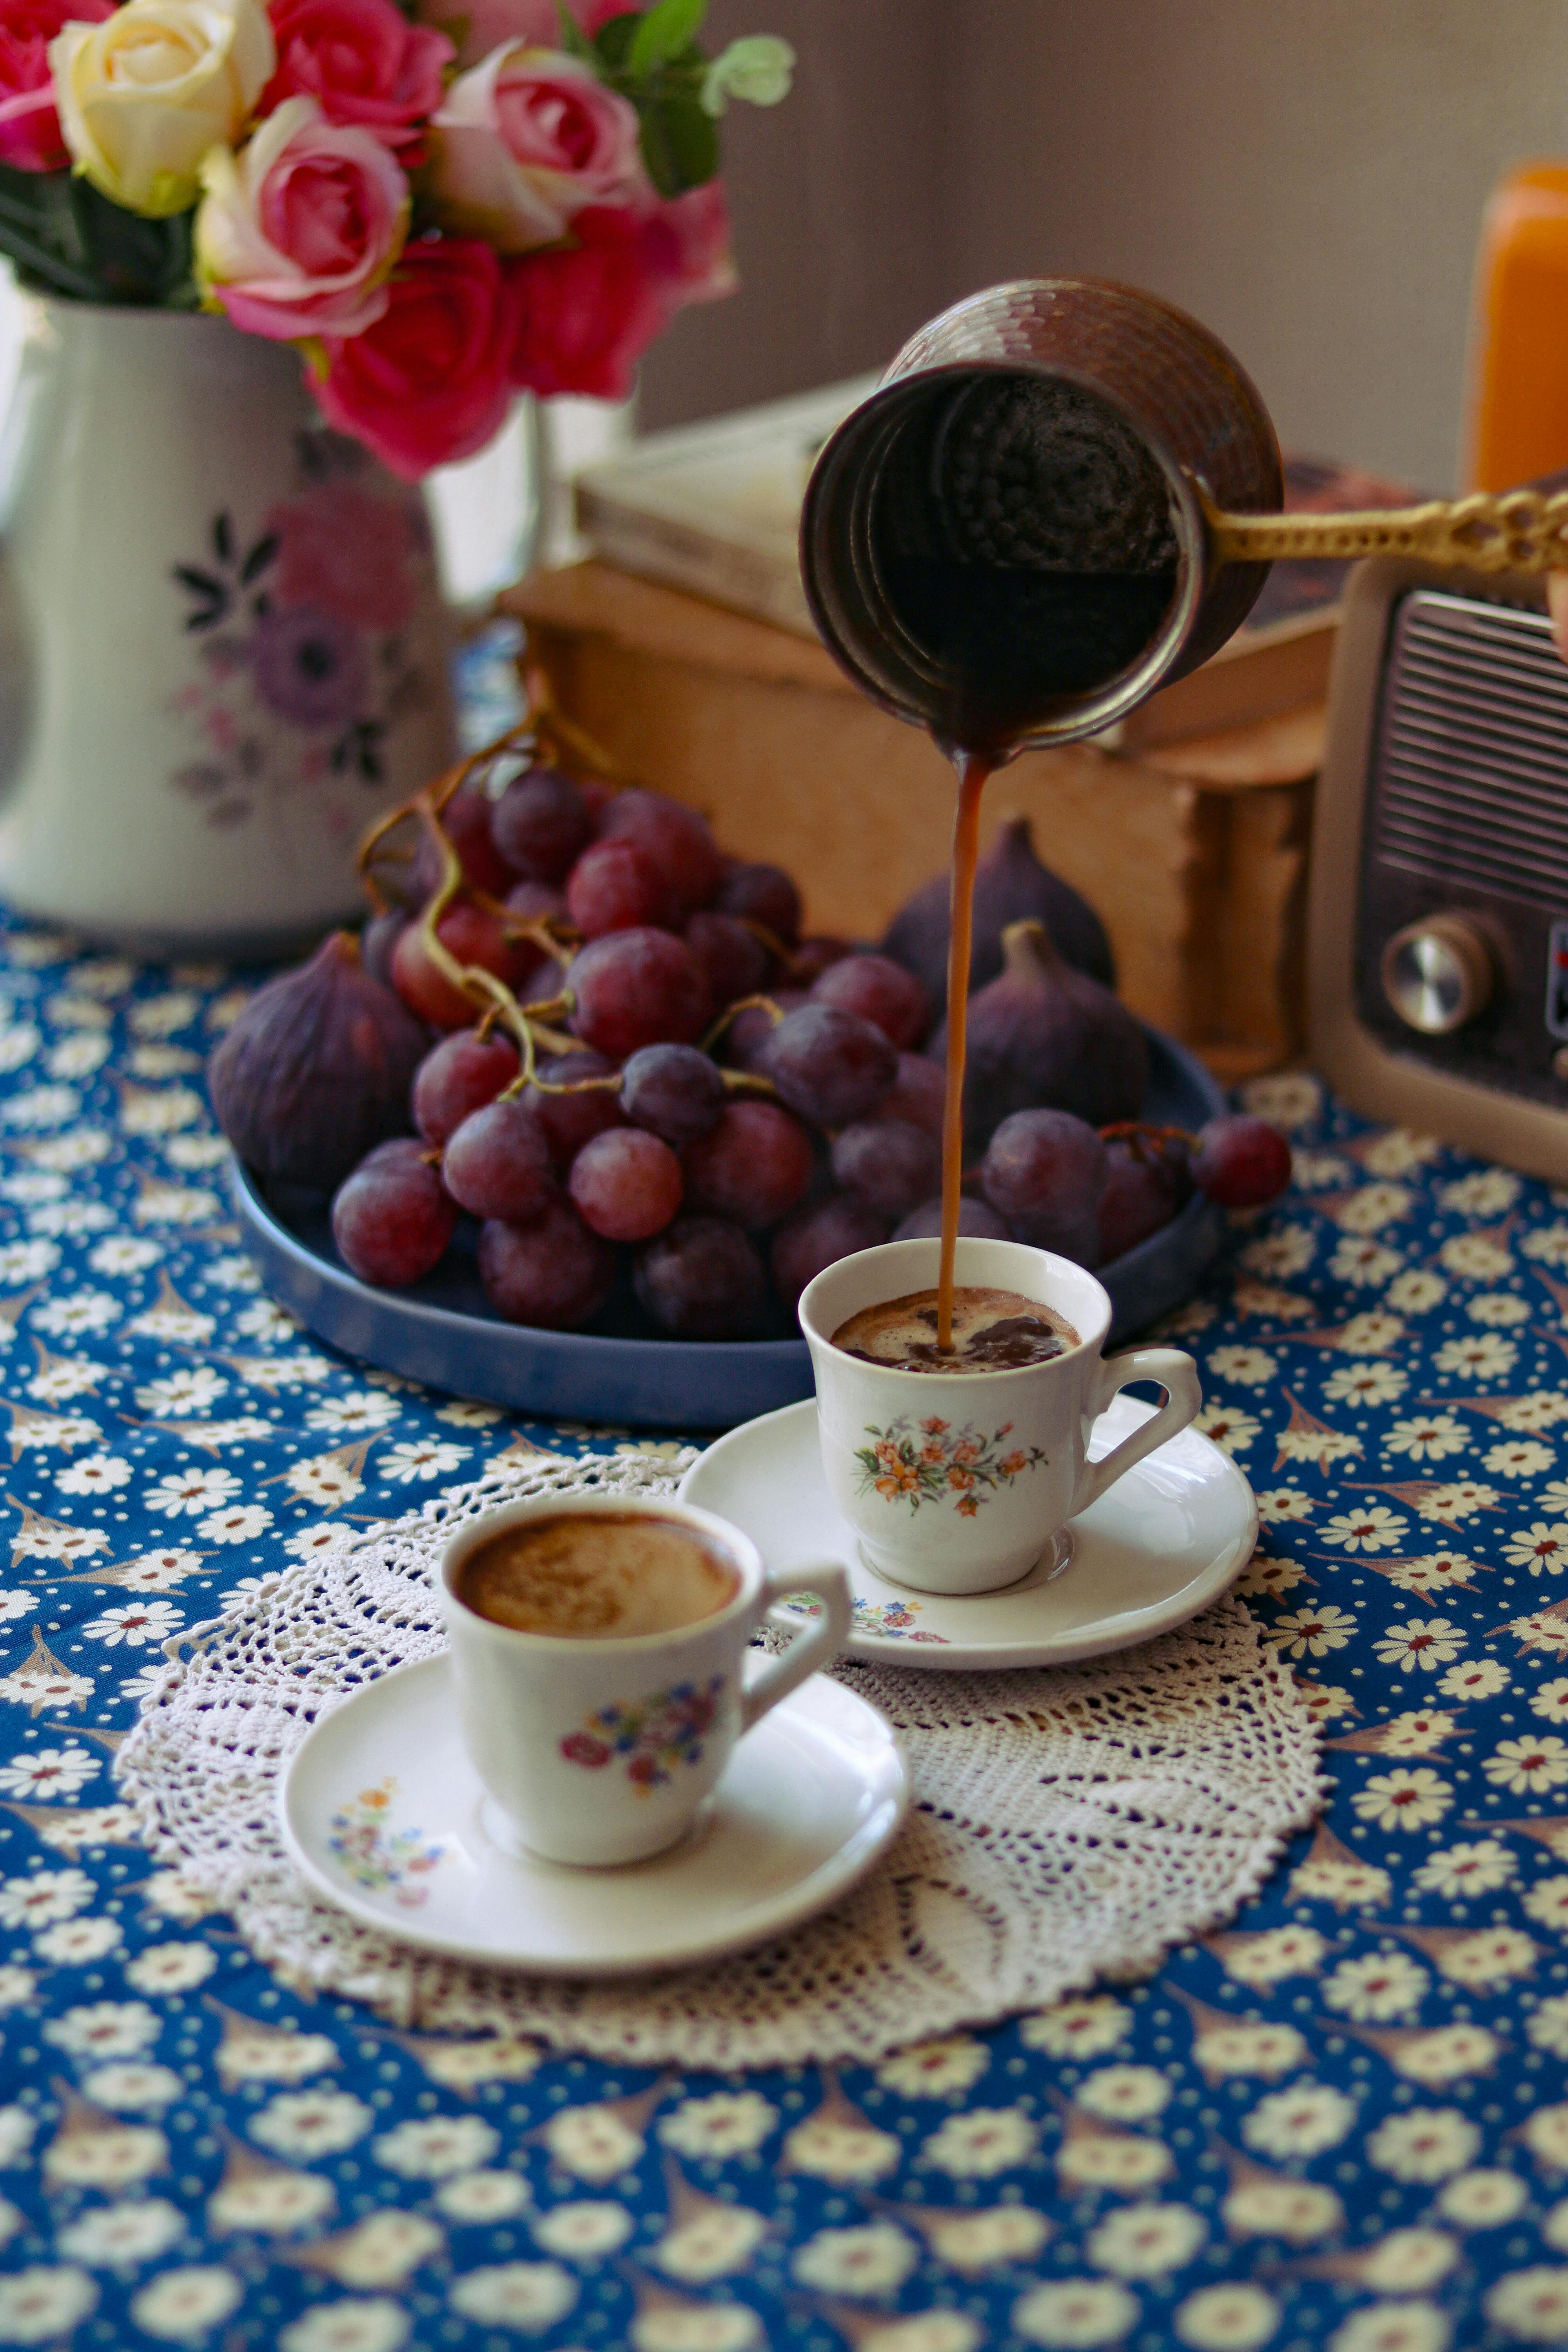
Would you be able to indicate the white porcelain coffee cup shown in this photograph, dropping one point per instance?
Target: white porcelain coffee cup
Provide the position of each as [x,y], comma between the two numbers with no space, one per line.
[603,1751]
[959,1483]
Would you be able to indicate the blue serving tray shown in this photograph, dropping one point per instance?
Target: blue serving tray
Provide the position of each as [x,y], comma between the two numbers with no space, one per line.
[443,1333]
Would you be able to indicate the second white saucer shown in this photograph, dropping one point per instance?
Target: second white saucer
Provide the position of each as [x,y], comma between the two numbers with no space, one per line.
[1166,1539]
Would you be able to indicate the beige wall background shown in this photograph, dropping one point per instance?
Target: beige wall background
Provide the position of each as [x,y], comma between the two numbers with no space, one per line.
[1306,175]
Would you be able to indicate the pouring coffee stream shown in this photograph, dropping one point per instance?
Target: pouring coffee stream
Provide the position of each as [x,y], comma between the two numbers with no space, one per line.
[1064,494]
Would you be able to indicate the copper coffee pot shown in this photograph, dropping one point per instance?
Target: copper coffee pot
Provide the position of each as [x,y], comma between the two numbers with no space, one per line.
[1066,447]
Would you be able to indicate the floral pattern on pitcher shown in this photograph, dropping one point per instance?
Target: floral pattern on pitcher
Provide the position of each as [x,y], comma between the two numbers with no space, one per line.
[378,1858]
[300,636]
[931,1462]
[653,1735]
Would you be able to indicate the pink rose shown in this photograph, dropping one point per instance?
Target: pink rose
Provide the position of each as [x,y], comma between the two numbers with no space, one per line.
[526,141]
[428,382]
[30,137]
[691,241]
[346,551]
[488,24]
[297,235]
[585,314]
[364,62]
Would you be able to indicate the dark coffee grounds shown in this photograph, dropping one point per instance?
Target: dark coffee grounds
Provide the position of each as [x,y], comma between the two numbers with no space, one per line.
[1021,534]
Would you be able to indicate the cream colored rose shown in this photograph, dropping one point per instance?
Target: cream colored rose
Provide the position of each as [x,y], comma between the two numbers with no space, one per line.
[142,96]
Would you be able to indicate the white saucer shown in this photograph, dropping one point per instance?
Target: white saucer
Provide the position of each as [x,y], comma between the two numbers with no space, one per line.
[1166,1539]
[384,1814]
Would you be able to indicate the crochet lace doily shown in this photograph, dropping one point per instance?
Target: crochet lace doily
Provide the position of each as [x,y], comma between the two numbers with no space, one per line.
[1066,1823]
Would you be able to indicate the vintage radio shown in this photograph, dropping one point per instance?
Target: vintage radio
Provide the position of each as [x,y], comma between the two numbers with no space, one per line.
[1438,936]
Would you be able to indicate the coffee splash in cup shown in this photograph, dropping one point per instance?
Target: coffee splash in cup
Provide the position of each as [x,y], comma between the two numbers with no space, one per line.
[993,1331]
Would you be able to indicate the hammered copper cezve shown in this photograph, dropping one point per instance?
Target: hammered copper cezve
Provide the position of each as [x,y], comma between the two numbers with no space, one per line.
[1064,493]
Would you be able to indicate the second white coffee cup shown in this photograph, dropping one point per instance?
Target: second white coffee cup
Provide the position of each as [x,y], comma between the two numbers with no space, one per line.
[603,1749]
[957,1482]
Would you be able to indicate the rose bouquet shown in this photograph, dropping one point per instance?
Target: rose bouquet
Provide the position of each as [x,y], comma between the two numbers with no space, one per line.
[439,209]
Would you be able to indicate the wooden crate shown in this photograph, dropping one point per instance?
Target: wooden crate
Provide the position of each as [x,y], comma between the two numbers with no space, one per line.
[1194,854]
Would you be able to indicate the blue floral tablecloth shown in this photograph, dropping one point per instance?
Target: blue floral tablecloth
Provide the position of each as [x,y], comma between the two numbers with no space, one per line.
[1343,2123]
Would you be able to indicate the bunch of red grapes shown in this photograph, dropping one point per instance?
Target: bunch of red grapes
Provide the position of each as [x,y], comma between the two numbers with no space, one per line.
[732,1147]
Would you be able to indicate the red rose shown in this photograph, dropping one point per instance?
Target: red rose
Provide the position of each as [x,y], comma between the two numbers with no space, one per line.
[584,314]
[428,382]
[363,61]
[30,137]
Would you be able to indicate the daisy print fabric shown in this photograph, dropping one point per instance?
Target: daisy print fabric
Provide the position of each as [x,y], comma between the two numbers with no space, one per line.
[1340,2121]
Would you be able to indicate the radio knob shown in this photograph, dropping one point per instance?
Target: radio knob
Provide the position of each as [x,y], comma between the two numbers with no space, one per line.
[1438,974]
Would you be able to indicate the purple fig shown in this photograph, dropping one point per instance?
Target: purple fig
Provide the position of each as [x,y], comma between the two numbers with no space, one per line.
[1011,886]
[1046,1036]
[316,1069]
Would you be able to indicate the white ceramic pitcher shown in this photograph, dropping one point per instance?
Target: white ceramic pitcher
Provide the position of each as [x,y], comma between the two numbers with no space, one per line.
[222,643]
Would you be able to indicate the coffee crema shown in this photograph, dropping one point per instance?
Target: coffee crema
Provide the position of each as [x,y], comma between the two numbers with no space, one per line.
[598,1577]
[993,1331]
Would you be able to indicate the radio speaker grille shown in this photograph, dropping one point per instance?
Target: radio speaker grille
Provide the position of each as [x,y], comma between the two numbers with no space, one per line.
[1471,784]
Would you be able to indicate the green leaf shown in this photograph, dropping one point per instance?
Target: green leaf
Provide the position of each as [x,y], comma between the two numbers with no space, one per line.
[40,266]
[38,231]
[680,145]
[573,40]
[134,259]
[756,69]
[613,43]
[666,29]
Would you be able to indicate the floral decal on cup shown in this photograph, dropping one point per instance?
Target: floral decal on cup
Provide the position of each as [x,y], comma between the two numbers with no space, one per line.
[300,628]
[651,1735]
[378,1858]
[931,1462]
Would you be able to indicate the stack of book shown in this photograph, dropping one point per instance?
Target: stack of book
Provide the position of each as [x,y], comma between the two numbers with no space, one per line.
[684,647]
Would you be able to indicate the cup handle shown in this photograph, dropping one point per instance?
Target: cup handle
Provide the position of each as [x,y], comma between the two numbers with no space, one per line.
[1177,1375]
[816,1646]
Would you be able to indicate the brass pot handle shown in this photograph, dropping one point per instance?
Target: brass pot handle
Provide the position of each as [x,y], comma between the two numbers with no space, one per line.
[1522,531]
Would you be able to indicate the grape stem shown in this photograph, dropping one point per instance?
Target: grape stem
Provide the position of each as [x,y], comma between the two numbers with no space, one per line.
[427,805]
[742,1004]
[573,747]
[543,728]
[770,940]
[1140,1135]
[609,1084]
[484,989]
[560,940]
